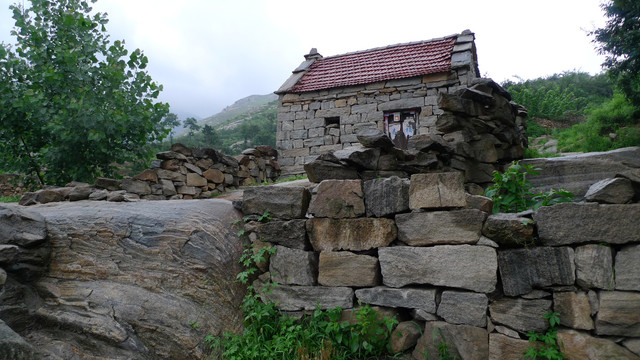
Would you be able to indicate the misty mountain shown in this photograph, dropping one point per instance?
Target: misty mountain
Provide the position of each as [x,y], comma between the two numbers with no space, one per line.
[244,106]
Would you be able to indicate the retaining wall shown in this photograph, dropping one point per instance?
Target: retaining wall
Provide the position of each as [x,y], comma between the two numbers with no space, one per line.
[431,254]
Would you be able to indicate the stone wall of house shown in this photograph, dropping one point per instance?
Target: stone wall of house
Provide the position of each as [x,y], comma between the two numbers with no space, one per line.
[303,131]
[435,257]
[180,173]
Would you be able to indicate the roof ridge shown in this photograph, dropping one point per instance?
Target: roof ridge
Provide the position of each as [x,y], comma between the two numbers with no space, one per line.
[391,46]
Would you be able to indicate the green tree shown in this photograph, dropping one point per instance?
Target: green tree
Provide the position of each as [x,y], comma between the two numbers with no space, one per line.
[73,104]
[191,124]
[171,120]
[210,135]
[619,39]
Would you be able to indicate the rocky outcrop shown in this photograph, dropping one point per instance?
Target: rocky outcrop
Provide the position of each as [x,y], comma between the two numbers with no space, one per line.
[145,280]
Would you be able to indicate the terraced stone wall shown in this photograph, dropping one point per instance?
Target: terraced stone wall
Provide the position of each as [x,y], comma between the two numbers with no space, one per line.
[427,252]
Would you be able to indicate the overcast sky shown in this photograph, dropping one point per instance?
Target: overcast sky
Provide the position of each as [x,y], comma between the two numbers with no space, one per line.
[209,53]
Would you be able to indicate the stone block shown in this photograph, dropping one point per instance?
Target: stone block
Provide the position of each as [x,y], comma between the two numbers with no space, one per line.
[523,270]
[628,268]
[359,156]
[136,186]
[187,190]
[80,193]
[196,180]
[344,268]
[296,298]
[293,266]
[503,347]
[463,341]
[319,170]
[281,202]
[360,234]
[580,345]
[618,314]
[402,104]
[614,224]
[479,202]
[410,298]
[520,314]
[594,267]
[460,307]
[171,175]
[509,230]
[214,175]
[460,266]
[440,227]
[386,196]
[610,191]
[338,199]
[290,233]
[437,190]
[106,183]
[574,309]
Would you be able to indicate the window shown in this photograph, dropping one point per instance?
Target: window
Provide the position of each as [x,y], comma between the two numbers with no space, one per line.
[400,126]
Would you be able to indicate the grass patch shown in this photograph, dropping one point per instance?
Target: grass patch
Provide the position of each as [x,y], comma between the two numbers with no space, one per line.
[10,199]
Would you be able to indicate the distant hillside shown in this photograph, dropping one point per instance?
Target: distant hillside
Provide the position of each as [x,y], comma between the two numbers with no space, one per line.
[244,106]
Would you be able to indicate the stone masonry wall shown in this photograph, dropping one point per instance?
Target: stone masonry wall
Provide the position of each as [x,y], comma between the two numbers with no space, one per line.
[427,252]
[181,173]
[302,130]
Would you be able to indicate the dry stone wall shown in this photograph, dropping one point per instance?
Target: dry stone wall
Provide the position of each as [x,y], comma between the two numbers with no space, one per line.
[181,173]
[430,253]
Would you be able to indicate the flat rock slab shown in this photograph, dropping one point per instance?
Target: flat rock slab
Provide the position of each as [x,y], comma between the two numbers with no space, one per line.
[411,298]
[289,233]
[523,270]
[520,314]
[344,268]
[577,173]
[463,341]
[296,298]
[21,227]
[440,227]
[611,191]
[575,223]
[618,313]
[350,234]
[459,266]
[281,202]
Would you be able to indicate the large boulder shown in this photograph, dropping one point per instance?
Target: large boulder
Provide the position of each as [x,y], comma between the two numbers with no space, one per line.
[143,280]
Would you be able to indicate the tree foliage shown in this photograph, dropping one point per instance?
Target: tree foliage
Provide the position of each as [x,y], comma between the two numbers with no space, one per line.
[619,39]
[72,103]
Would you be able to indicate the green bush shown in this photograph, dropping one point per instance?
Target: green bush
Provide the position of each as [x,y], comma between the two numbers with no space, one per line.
[512,192]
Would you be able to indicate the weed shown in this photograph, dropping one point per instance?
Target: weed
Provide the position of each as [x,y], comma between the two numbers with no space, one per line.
[265,217]
[194,324]
[9,199]
[441,346]
[512,192]
[549,348]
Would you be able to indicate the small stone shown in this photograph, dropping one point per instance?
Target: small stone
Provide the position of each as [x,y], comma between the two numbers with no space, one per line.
[116,196]
[611,191]
[374,138]
[147,175]
[193,168]
[98,195]
[108,184]
[47,196]
[508,332]
[405,336]
[196,180]
[485,241]
[421,315]
[214,175]
[509,230]
[80,193]
[479,202]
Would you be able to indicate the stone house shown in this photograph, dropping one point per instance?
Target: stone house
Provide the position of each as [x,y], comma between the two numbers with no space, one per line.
[327,100]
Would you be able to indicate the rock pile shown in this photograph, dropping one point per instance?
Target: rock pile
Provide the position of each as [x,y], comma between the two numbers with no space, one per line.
[426,251]
[181,173]
[478,131]
[10,185]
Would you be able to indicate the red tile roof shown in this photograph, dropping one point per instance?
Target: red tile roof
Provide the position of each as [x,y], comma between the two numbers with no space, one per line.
[391,62]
